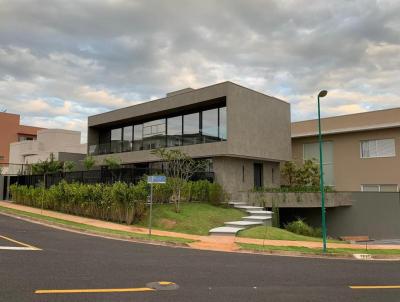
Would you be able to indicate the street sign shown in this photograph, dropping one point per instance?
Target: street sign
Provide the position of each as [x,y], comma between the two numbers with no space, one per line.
[156,179]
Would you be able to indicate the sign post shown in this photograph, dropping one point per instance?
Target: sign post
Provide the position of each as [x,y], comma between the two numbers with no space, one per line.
[155,179]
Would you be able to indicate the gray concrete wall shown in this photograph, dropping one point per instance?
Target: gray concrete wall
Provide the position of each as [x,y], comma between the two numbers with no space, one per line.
[376,215]
[258,125]
[237,174]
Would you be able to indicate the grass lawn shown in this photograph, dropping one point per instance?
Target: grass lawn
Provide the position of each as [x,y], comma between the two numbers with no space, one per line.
[92,229]
[193,218]
[277,234]
[343,251]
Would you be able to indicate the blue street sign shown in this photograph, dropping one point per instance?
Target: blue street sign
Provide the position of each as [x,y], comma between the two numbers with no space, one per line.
[156,179]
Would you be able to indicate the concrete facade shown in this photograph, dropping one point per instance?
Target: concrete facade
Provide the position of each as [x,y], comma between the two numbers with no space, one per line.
[258,131]
[351,170]
[371,214]
[12,131]
[63,144]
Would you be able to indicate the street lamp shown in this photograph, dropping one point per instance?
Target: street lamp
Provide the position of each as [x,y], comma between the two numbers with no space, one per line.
[321,94]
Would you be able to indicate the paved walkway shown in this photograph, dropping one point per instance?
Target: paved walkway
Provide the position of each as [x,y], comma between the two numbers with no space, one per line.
[219,243]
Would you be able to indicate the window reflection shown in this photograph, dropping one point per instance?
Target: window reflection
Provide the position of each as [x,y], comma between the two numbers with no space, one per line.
[127,139]
[194,128]
[210,125]
[138,137]
[116,137]
[154,134]
[222,123]
[174,131]
[191,128]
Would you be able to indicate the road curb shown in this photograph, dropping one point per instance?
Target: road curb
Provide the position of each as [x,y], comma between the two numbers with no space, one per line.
[187,246]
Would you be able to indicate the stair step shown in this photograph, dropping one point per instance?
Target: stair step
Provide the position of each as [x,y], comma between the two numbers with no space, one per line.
[237,203]
[260,213]
[242,223]
[254,208]
[257,218]
[226,230]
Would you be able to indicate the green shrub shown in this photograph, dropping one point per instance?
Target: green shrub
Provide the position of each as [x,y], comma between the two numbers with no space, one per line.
[300,227]
[118,202]
[217,195]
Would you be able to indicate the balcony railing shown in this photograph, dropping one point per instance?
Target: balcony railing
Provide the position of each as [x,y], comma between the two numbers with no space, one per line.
[151,143]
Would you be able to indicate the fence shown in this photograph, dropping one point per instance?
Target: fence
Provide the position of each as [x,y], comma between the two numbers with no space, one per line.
[104,175]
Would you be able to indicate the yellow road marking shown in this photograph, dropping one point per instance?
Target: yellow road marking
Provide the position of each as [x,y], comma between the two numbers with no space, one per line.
[165,283]
[99,290]
[375,286]
[21,243]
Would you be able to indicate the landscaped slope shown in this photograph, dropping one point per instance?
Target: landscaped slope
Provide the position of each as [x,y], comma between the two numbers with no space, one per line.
[194,218]
[261,232]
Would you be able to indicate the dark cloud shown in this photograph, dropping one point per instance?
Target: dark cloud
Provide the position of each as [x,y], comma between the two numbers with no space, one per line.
[93,56]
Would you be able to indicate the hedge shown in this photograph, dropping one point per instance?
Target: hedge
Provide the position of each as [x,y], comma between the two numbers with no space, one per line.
[118,202]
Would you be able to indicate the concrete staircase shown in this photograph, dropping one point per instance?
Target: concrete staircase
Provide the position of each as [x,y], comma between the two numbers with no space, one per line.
[257,216]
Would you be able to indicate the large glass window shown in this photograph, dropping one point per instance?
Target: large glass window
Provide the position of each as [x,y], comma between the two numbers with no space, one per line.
[311,152]
[154,134]
[378,148]
[116,138]
[210,125]
[191,129]
[222,123]
[174,131]
[138,137]
[127,138]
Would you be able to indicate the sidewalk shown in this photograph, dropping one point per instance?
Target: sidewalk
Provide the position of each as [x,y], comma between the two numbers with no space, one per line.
[217,243]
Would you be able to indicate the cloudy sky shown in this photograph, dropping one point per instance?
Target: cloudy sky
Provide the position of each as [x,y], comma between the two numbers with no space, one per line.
[61,61]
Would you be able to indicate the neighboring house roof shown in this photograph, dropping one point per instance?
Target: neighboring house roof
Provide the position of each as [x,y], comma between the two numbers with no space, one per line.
[365,121]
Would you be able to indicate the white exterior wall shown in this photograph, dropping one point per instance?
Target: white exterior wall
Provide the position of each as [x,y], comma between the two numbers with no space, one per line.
[48,141]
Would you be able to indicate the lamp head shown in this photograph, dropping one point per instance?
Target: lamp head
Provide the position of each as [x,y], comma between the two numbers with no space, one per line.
[322,93]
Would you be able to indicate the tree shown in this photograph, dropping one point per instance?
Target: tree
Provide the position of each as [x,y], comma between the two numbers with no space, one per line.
[289,171]
[112,164]
[89,162]
[305,175]
[308,174]
[68,166]
[179,168]
[49,165]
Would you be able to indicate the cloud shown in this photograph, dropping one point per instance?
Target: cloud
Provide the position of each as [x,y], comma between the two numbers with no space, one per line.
[61,61]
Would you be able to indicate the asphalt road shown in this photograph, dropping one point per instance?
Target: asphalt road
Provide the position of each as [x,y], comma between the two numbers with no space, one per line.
[76,261]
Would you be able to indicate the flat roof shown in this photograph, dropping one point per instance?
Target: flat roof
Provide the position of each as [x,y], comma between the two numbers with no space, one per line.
[364,121]
[212,93]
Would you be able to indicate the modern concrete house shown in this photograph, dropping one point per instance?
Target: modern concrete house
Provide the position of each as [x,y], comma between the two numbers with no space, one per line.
[65,145]
[244,134]
[361,151]
[12,131]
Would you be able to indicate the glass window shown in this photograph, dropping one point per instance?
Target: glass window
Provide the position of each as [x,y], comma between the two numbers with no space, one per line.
[378,148]
[154,134]
[222,123]
[116,138]
[127,138]
[138,137]
[174,131]
[370,188]
[210,125]
[388,188]
[311,152]
[191,129]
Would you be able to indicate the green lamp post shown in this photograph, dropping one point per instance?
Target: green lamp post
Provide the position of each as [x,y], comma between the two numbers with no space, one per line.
[321,94]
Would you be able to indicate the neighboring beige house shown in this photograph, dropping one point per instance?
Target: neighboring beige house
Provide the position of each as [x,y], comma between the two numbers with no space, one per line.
[244,134]
[64,144]
[361,151]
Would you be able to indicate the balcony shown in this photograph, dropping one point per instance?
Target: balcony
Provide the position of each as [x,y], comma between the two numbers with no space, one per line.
[151,143]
